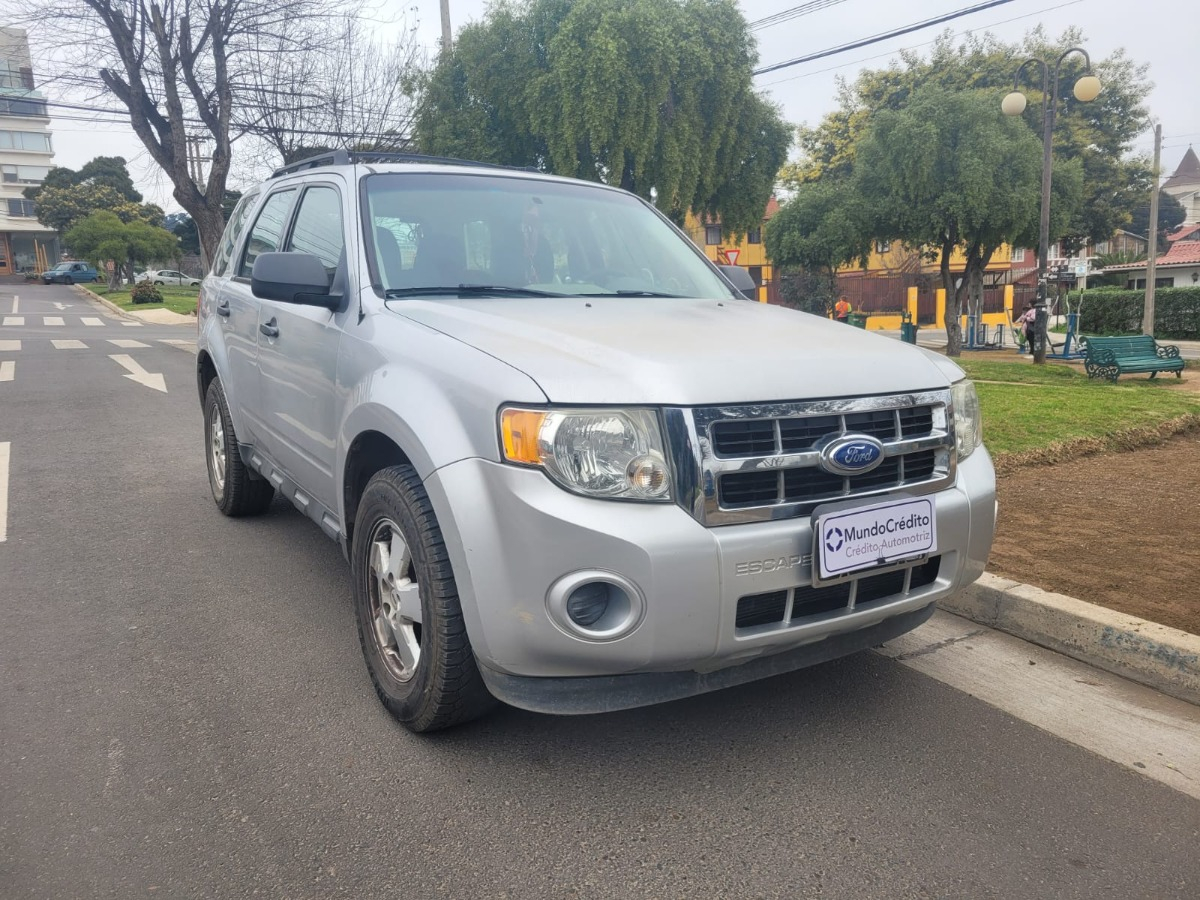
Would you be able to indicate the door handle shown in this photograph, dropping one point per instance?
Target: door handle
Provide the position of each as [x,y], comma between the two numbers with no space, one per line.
[223,308]
[270,329]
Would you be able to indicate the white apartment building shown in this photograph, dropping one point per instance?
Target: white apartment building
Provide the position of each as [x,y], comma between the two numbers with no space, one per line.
[26,152]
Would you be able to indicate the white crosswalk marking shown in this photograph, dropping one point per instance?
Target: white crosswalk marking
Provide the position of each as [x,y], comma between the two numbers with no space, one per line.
[69,345]
[91,320]
[127,344]
[10,345]
[14,320]
[132,324]
[52,320]
[8,369]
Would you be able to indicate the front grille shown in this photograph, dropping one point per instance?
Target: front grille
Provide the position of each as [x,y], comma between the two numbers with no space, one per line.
[808,602]
[764,462]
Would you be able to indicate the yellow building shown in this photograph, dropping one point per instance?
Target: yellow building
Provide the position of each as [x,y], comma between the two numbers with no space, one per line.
[748,253]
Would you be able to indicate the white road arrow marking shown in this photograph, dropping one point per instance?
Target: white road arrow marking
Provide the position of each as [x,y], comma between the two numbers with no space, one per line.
[8,369]
[58,305]
[138,374]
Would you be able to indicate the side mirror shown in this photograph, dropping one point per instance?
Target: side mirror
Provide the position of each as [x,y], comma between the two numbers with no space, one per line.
[292,278]
[741,281]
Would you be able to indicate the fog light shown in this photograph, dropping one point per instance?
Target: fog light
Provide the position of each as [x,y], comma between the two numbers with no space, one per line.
[586,604]
[595,605]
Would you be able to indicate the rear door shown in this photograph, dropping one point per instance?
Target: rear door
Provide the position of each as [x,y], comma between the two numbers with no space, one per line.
[298,350]
[239,308]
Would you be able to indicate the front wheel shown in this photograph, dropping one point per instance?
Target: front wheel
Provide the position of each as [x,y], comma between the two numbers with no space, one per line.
[410,622]
[68,280]
[158,282]
[236,490]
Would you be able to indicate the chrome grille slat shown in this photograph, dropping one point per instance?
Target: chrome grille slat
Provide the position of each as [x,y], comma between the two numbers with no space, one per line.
[726,477]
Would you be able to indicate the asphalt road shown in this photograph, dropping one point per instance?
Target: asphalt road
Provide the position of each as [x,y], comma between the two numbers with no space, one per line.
[185,713]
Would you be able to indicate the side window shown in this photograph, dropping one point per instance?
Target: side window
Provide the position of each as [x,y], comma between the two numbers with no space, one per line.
[268,229]
[318,227]
[233,232]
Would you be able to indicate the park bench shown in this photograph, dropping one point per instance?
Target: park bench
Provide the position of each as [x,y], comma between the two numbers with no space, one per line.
[1111,357]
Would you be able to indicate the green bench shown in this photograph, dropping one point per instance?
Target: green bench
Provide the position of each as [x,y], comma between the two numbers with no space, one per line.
[1111,357]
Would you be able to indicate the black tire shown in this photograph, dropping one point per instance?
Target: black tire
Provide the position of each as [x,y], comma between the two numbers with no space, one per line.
[158,282]
[67,279]
[240,492]
[445,687]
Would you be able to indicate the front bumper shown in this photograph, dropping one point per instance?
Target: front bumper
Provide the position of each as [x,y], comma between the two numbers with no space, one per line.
[511,534]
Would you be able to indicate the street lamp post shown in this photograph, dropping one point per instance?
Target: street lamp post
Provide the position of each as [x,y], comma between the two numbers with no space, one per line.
[1087,89]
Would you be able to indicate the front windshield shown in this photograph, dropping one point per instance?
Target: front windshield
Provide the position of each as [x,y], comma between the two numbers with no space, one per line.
[61,267]
[443,231]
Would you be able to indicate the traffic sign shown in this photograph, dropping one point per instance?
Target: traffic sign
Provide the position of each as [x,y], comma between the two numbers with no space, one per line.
[732,256]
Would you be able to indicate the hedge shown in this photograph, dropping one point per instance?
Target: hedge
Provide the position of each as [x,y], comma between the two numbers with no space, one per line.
[1176,312]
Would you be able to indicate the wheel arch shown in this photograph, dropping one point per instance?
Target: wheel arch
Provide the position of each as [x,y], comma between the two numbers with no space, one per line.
[371,451]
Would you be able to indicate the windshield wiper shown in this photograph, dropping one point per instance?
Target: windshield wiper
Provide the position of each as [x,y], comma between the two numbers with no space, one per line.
[459,290]
[624,293]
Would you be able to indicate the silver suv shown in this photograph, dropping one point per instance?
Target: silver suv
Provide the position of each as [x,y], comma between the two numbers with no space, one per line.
[571,466]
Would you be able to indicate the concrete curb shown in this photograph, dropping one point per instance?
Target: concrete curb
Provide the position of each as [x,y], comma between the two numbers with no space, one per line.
[112,306]
[1163,658]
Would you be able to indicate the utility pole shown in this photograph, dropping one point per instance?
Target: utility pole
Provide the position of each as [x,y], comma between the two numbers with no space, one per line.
[445,26]
[1152,238]
[196,160]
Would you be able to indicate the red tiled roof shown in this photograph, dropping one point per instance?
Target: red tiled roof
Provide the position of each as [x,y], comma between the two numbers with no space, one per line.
[1188,171]
[1183,231]
[1182,253]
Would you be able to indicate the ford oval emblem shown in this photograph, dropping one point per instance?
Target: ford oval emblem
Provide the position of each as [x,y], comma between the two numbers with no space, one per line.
[852,454]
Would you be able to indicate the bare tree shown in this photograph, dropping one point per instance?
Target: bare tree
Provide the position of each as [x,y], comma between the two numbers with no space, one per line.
[359,92]
[200,69]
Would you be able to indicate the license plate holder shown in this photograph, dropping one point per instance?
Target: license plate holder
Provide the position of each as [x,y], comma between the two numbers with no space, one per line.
[851,540]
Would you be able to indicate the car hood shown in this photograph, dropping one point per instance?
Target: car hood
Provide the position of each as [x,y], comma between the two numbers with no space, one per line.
[667,351]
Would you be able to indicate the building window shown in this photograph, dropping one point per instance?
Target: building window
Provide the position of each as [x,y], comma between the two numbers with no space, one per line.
[37,141]
[756,275]
[1164,282]
[712,235]
[24,174]
[20,209]
[10,106]
[754,236]
[1018,254]
[883,246]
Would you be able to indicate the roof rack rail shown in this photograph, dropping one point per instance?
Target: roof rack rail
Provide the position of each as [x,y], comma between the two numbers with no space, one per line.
[333,158]
[345,157]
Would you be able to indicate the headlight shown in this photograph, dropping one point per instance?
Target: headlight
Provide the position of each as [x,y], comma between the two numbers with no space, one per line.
[614,453]
[968,426]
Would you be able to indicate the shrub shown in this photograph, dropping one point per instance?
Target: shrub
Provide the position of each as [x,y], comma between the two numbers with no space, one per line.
[1176,312]
[145,292]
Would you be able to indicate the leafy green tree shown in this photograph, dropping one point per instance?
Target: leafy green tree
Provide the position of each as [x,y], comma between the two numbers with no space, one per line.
[1171,214]
[107,171]
[1100,135]
[949,172]
[101,236]
[61,207]
[183,227]
[652,95]
[821,228]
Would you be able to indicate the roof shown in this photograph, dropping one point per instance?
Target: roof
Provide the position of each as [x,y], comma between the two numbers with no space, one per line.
[1182,253]
[1183,232]
[1188,171]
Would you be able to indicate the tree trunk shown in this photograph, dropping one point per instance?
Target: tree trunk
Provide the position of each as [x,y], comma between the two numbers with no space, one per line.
[953,326]
[210,224]
[114,277]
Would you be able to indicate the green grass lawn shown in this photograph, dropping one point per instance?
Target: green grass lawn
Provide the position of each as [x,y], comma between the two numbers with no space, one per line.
[175,298]
[1054,403]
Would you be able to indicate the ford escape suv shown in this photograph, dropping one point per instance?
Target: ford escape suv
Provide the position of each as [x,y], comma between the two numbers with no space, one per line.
[571,467]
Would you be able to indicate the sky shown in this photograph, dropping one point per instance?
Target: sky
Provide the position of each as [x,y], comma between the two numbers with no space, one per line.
[1161,32]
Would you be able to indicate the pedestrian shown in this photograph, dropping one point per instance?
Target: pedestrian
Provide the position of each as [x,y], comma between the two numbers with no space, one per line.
[841,310]
[1028,324]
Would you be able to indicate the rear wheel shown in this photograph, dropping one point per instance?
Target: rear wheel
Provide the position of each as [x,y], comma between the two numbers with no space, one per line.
[236,490]
[67,279]
[410,622]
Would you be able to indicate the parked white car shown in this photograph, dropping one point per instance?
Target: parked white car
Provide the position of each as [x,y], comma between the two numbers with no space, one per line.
[169,276]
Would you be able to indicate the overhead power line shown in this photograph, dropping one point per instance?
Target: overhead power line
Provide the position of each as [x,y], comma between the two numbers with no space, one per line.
[794,12]
[875,39]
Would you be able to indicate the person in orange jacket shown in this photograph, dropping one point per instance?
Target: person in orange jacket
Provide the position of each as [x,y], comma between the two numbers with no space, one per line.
[841,311]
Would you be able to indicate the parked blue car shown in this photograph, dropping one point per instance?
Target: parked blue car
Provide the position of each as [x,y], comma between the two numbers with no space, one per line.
[71,272]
